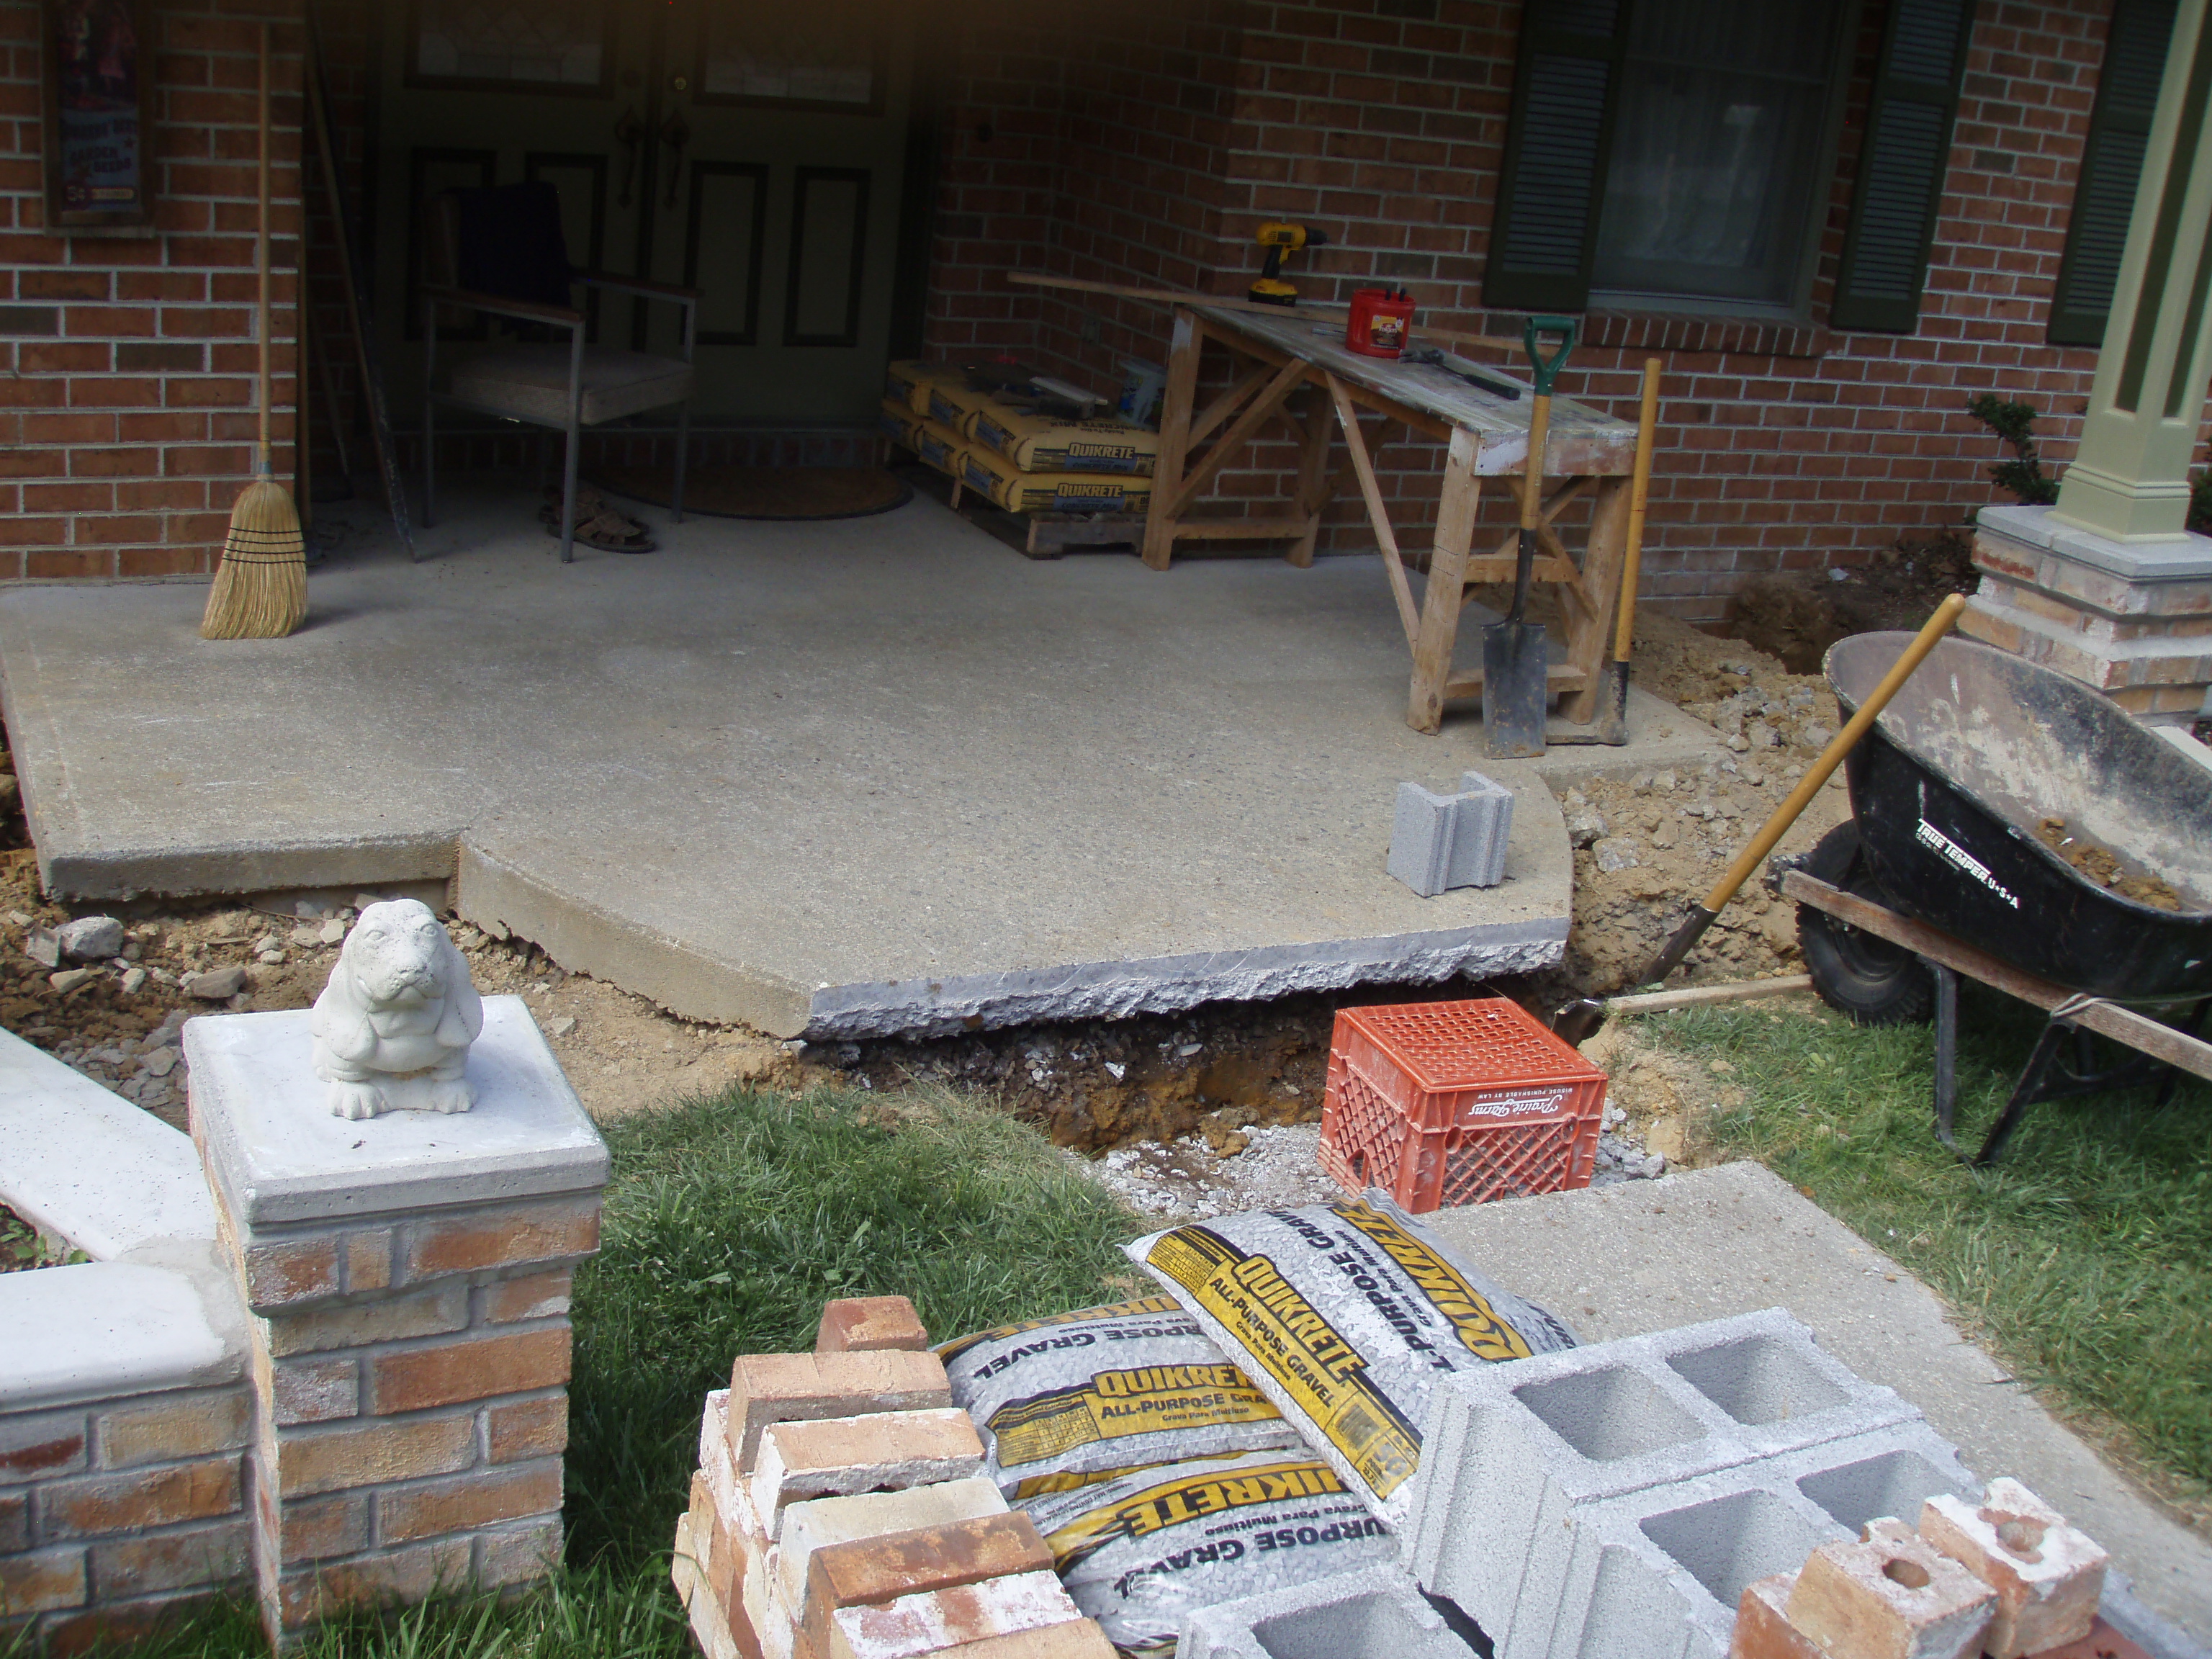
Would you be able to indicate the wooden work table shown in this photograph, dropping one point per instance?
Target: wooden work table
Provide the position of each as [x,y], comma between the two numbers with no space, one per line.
[1296,374]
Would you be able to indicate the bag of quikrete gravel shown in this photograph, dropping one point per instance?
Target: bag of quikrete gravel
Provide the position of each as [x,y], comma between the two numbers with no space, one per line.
[1143,1551]
[1105,1389]
[1343,1315]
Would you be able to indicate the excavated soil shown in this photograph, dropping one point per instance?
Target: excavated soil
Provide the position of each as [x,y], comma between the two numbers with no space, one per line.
[2103,867]
[1796,619]
[1205,1082]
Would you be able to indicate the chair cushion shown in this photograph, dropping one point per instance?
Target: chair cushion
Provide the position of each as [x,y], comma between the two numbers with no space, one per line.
[531,383]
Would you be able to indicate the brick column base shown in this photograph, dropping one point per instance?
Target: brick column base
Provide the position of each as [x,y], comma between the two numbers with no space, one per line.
[2132,619]
[409,1276]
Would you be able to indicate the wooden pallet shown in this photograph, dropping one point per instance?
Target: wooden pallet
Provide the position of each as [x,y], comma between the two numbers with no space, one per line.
[1032,535]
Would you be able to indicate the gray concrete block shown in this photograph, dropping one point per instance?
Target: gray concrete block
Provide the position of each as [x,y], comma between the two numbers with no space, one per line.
[1438,842]
[1513,1454]
[1377,1615]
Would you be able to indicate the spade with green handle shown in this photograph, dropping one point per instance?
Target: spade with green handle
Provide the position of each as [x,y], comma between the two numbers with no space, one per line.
[1516,688]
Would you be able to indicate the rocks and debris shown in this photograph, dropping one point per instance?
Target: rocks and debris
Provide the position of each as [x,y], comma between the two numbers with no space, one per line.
[2102,866]
[90,938]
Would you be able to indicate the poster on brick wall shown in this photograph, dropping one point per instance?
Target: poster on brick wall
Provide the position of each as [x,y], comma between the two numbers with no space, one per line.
[98,140]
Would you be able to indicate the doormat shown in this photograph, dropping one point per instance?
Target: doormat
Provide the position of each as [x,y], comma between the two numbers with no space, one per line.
[764,492]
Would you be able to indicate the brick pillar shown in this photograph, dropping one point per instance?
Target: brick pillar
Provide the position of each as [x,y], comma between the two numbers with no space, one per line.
[409,1276]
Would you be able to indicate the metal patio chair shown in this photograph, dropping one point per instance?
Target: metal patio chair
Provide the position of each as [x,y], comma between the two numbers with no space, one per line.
[500,252]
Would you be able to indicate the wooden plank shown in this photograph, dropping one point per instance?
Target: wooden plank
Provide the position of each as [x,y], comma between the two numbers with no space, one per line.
[1377,515]
[1220,408]
[1558,677]
[1594,592]
[1178,296]
[1233,530]
[2124,1025]
[1487,568]
[1698,996]
[1241,432]
[1314,489]
[1185,347]
[1456,510]
[1583,440]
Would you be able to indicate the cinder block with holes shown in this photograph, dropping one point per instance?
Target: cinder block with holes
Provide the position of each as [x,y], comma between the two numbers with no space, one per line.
[1519,1458]
[1379,1614]
[1438,842]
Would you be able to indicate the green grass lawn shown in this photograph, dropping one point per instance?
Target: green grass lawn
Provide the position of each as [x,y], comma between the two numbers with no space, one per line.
[729,1223]
[2084,1256]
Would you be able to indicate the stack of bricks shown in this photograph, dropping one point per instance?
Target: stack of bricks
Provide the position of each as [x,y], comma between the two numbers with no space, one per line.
[127,397]
[842,1511]
[410,1277]
[2006,1577]
[2132,619]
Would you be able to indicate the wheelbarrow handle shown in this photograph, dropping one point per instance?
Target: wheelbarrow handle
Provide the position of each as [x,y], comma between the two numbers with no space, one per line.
[1945,618]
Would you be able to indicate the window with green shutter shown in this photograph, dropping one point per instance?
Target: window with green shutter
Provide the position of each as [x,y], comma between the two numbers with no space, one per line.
[1900,187]
[1666,153]
[2112,162]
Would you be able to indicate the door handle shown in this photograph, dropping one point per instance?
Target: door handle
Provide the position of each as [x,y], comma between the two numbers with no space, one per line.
[676,133]
[629,133]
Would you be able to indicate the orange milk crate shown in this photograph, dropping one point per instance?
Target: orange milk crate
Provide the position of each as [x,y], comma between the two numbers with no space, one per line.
[1444,1103]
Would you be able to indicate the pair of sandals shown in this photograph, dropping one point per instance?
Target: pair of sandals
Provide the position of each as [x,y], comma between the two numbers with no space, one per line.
[597,523]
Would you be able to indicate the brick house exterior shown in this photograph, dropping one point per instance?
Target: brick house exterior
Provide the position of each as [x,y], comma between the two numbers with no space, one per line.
[1135,142]
[1784,447]
[127,360]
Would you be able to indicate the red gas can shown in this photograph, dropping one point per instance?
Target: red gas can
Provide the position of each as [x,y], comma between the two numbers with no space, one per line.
[1381,320]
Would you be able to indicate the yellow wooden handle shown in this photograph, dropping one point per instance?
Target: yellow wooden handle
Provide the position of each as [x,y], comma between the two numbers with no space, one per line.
[1532,475]
[1639,490]
[1946,616]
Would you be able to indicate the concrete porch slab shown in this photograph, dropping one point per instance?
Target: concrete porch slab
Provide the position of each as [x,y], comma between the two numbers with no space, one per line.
[832,779]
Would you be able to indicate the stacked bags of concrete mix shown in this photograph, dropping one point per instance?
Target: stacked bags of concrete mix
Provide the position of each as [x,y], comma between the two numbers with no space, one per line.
[1024,460]
[1249,1432]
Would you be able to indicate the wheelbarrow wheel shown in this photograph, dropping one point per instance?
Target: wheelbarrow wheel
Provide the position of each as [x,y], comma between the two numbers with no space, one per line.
[1875,983]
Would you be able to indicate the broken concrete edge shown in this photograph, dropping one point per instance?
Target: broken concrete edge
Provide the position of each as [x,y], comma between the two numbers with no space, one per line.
[1170,984]
[492,893]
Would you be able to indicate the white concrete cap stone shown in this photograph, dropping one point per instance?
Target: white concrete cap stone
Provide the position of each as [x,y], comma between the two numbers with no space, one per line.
[106,1330]
[83,1162]
[281,1158]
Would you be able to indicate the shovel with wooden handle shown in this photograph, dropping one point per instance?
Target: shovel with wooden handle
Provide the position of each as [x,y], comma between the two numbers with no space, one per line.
[1578,1021]
[1610,725]
[1515,681]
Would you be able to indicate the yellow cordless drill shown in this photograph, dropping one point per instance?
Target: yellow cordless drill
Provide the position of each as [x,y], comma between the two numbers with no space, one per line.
[1279,238]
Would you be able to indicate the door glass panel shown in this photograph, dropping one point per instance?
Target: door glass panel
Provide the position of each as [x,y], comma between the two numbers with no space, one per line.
[544,45]
[827,57]
[828,254]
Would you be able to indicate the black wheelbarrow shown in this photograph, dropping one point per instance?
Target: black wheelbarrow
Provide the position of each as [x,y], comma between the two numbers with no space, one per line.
[2012,825]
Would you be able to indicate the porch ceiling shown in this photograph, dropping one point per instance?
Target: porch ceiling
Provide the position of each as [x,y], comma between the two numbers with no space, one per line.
[866,776]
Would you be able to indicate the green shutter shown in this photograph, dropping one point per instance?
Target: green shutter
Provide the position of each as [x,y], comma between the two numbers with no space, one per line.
[1901,166]
[2112,162]
[1544,233]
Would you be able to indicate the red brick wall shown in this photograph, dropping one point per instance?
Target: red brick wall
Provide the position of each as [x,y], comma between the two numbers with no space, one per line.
[126,370]
[1781,449]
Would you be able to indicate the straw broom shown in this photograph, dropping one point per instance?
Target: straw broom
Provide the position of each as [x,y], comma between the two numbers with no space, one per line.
[260,590]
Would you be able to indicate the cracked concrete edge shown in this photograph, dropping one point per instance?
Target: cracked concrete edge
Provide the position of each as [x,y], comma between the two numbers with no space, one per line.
[1114,990]
[583,938]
